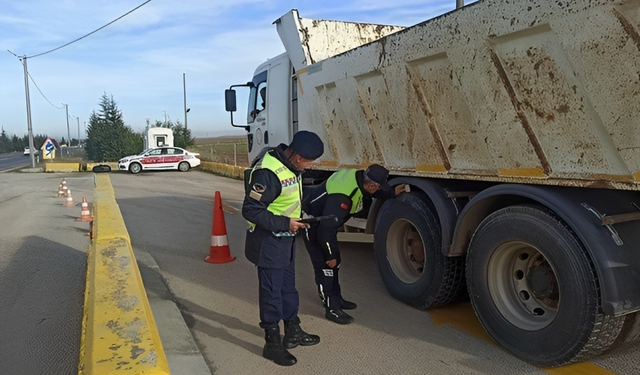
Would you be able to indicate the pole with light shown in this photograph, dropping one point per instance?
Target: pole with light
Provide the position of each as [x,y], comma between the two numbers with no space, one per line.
[29,127]
[184,90]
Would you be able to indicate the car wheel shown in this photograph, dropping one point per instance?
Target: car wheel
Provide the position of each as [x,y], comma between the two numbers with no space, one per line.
[407,245]
[135,168]
[535,290]
[184,166]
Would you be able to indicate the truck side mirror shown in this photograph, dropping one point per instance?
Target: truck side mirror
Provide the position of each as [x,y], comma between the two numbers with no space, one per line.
[230,100]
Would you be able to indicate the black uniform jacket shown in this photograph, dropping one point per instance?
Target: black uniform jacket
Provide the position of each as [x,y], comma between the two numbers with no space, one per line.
[262,247]
[326,231]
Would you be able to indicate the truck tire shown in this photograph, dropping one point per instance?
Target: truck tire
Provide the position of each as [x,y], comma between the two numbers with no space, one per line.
[629,335]
[535,290]
[407,244]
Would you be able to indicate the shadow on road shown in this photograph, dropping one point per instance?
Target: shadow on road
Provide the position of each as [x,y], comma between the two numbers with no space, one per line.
[41,299]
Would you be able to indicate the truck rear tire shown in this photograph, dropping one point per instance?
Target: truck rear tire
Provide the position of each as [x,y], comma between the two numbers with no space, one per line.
[407,244]
[535,290]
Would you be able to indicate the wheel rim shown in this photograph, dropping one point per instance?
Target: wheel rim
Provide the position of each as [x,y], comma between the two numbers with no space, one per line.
[523,285]
[135,168]
[405,251]
[183,167]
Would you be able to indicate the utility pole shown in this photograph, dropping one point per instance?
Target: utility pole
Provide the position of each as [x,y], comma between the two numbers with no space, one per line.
[29,127]
[184,90]
[66,106]
[78,118]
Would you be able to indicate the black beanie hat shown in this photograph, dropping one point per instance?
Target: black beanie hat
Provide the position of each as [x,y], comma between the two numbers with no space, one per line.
[307,144]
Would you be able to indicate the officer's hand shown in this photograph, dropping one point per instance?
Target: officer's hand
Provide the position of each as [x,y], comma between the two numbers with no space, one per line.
[294,225]
[332,263]
[399,189]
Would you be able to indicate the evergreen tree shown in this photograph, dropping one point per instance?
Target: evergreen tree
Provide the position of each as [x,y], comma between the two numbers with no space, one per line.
[5,143]
[108,138]
[182,136]
[17,143]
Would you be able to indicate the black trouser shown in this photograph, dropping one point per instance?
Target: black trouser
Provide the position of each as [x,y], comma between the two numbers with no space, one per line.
[277,295]
[326,278]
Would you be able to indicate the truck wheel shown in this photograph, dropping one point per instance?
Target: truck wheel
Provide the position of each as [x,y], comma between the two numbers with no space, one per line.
[407,244]
[184,166]
[629,335]
[135,168]
[535,290]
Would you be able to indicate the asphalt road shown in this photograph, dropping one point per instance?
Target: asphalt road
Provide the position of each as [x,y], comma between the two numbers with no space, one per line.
[169,215]
[13,160]
[42,272]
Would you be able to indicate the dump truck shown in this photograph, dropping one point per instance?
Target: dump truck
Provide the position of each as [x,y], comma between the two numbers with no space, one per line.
[515,126]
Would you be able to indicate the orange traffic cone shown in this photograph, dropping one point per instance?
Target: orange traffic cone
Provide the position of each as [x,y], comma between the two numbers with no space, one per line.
[85,214]
[61,190]
[69,201]
[219,252]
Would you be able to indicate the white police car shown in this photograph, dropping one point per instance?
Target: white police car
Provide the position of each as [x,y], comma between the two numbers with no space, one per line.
[161,158]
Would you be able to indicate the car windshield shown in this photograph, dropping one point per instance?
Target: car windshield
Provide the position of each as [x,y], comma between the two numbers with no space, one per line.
[145,151]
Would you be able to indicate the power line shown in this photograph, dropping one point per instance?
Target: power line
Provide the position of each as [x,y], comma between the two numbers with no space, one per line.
[41,93]
[94,31]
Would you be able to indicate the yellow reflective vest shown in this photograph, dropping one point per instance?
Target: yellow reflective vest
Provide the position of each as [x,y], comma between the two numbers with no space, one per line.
[288,203]
[344,182]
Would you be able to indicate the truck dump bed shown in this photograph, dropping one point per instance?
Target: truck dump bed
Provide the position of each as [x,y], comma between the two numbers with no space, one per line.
[540,92]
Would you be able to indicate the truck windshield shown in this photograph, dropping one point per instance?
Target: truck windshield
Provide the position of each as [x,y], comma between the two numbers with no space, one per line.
[257,97]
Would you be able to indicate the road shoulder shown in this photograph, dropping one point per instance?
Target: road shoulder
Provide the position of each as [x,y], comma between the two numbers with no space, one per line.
[183,355]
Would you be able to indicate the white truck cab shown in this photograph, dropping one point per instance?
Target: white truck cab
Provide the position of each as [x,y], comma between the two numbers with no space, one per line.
[273,81]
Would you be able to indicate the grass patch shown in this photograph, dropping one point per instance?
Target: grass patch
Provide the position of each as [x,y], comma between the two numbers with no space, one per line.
[228,150]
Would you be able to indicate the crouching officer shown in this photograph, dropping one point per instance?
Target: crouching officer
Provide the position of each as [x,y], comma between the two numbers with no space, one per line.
[342,195]
[272,206]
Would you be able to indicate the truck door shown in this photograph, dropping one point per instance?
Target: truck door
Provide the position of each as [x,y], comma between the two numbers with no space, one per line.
[268,116]
[257,113]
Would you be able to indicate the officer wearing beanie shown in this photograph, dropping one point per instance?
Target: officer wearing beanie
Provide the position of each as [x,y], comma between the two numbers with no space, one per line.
[343,195]
[272,206]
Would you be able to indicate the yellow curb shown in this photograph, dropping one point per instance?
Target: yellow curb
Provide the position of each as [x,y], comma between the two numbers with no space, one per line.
[119,333]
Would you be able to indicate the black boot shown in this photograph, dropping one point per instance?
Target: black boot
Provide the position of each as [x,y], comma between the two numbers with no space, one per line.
[338,316]
[294,335]
[347,305]
[274,350]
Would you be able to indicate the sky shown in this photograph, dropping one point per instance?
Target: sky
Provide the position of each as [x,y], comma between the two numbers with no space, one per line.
[140,59]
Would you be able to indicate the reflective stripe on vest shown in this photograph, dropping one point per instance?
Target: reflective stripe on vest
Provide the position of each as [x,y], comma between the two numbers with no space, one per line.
[344,182]
[288,202]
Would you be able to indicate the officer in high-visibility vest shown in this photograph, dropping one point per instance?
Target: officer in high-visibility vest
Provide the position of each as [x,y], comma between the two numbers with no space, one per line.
[343,194]
[272,206]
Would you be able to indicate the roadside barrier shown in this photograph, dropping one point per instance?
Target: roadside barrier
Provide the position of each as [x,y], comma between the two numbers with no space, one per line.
[119,333]
[85,214]
[223,169]
[219,250]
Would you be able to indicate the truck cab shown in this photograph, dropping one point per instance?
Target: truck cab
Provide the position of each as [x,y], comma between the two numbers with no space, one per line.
[274,83]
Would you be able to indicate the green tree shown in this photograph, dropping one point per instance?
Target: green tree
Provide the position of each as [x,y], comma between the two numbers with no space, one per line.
[5,143]
[17,143]
[108,138]
[182,136]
